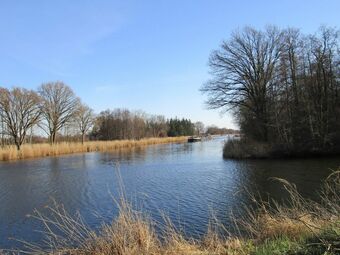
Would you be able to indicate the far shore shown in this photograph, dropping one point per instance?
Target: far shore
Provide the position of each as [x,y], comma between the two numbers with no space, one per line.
[40,150]
[247,149]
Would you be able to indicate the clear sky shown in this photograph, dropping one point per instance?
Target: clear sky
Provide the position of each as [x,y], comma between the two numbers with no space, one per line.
[142,55]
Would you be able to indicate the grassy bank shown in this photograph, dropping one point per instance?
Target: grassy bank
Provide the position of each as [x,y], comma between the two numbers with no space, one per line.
[45,150]
[301,227]
[249,149]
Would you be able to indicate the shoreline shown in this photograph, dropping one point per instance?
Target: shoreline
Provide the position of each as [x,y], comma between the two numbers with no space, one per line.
[244,150]
[301,156]
[30,151]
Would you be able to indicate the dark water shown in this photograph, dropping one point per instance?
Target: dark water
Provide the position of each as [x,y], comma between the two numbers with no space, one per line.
[185,181]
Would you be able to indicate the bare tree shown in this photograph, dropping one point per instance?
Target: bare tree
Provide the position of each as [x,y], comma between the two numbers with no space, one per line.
[156,125]
[199,127]
[243,71]
[84,118]
[19,110]
[283,85]
[59,104]
[125,124]
[2,129]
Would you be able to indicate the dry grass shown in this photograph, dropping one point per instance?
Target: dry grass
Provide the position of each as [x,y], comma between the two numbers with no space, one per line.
[45,150]
[275,229]
[298,216]
[131,233]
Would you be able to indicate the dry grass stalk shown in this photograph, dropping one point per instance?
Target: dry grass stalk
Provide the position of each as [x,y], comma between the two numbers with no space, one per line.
[298,217]
[45,150]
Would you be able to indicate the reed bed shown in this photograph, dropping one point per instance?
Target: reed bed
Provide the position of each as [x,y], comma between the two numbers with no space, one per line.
[46,150]
[301,227]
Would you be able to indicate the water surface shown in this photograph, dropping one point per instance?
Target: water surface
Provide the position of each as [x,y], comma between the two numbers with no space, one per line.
[186,181]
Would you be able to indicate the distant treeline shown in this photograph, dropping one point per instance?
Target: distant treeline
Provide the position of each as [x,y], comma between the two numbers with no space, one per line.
[124,124]
[214,130]
[54,109]
[181,127]
[283,87]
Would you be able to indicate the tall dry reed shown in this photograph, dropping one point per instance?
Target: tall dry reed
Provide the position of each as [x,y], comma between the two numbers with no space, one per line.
[45,150]
[313,226]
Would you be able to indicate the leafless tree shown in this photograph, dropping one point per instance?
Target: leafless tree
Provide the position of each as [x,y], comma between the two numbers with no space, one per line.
[243,71]
[157,126]
[2,129]
[19,110]
[199,127]
[84,118]
[59,105]
[125,124]
[283,85]
[138,119]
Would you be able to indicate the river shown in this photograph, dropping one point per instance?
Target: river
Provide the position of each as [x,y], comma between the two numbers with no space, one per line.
[185,181]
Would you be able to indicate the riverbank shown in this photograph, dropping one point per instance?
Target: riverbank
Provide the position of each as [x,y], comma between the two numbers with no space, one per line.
[247,149]
[46,150]
[301,227]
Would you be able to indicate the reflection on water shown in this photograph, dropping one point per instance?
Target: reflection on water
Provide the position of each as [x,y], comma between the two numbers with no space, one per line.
[186,181]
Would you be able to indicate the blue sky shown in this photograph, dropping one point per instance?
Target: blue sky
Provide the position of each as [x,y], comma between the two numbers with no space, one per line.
[142,55]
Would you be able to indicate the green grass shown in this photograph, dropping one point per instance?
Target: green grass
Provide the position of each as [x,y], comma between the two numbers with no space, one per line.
[325,242]
[278,246]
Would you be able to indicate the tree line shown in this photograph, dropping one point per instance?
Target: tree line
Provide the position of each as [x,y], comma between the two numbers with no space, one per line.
[214,130]
[54,108]
[282,85]
[124,124]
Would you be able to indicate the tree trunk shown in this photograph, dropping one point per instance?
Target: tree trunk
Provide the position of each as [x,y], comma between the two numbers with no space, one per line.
[17,145]
[53,137]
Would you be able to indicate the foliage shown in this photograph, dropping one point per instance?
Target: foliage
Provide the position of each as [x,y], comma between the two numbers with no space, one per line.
[183,127]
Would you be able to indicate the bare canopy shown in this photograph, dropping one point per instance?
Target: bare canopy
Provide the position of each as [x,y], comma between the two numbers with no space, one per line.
[59,105]
[243,70]
[19,111]
[283,85]
[84,118]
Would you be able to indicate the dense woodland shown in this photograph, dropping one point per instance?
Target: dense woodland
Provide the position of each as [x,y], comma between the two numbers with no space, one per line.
[54,111]
[282,85]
